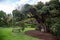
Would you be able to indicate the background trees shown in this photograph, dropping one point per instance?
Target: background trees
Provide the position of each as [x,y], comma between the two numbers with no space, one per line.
[5,19]
[2,16]
[17,15]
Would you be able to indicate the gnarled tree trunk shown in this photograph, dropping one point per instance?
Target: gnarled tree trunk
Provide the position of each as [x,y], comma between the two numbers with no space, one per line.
[40,23]
[39,19]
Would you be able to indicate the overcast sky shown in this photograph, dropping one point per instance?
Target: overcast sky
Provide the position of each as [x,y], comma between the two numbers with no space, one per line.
[9,5]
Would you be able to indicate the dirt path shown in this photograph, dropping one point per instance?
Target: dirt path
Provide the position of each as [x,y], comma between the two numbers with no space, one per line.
[40,35]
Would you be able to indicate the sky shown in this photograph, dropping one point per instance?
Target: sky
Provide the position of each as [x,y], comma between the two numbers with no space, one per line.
[9,5]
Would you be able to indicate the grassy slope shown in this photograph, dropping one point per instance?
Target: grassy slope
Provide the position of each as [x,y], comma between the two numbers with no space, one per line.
[6,34]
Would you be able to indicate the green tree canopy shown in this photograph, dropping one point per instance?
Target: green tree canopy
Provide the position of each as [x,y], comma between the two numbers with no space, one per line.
[17,15]
[39,5]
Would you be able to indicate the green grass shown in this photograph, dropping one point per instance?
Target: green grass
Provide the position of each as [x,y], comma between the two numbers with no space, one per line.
[7,34]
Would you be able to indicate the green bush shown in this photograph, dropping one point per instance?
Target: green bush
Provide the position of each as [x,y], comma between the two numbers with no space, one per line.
[56,29]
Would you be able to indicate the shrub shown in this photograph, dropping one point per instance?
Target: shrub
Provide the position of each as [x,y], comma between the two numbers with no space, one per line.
[56,29]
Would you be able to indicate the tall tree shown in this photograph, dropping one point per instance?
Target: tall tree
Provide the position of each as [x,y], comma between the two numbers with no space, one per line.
[46,12]
[38,18]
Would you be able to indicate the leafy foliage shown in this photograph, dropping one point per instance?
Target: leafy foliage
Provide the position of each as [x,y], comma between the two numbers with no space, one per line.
[39,5]
[2,16]
[56,29]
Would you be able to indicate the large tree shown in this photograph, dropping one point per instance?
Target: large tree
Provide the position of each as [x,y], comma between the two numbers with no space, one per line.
[46,12]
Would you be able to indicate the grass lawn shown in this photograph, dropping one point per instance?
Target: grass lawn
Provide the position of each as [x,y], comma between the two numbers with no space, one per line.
[7,34]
